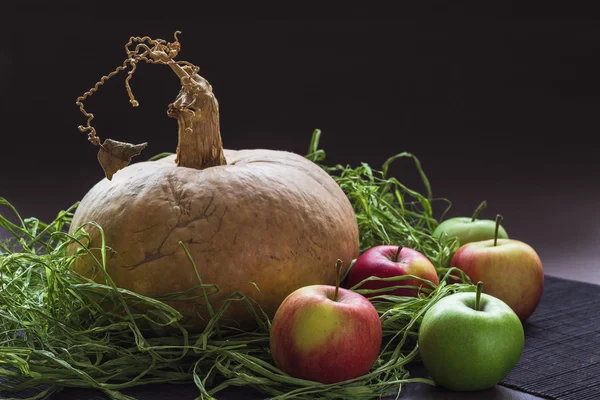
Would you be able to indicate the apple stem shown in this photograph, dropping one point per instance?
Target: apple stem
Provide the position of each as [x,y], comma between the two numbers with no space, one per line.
[498,220]
[478,295]
[478,210]
[338,270]
[397,253]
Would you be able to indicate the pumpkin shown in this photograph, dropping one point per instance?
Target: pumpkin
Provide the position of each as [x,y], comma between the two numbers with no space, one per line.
[259,222]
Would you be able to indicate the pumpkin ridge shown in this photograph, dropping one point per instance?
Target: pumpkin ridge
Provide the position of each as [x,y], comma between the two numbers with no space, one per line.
[150,257]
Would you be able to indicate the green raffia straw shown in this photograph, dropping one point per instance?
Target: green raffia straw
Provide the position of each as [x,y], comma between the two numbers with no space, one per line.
[52,336]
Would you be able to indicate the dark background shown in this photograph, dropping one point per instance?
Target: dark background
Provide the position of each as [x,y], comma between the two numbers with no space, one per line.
[500,103]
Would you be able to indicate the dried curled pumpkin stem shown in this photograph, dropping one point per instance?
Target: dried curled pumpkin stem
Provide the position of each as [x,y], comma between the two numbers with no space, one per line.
[195,108]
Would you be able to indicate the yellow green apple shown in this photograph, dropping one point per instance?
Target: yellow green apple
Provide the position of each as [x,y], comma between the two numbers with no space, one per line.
[326,334]
[510,269]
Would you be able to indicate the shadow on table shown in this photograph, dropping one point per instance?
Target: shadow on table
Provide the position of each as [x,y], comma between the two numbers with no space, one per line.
[413,391]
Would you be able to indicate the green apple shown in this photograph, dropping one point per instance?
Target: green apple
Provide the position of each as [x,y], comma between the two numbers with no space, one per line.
[325,334]
[471,229]
[470,341]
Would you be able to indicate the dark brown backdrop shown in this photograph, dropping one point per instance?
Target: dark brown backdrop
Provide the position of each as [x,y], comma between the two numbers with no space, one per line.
[499,103]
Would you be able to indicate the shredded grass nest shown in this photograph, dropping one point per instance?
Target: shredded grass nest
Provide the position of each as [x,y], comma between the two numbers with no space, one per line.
[52,336]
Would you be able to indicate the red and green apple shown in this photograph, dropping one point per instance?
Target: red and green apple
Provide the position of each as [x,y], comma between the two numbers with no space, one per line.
[326,334]
[510,269]
[387,261]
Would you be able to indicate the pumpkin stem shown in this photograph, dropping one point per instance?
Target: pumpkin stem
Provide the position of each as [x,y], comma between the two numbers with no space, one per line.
[196,110]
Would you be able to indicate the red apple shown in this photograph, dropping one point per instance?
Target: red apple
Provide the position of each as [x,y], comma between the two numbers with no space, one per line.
[391,261]
[320,337]
[510,269]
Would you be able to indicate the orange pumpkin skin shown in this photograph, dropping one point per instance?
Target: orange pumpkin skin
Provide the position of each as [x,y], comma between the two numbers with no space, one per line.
[270,218]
